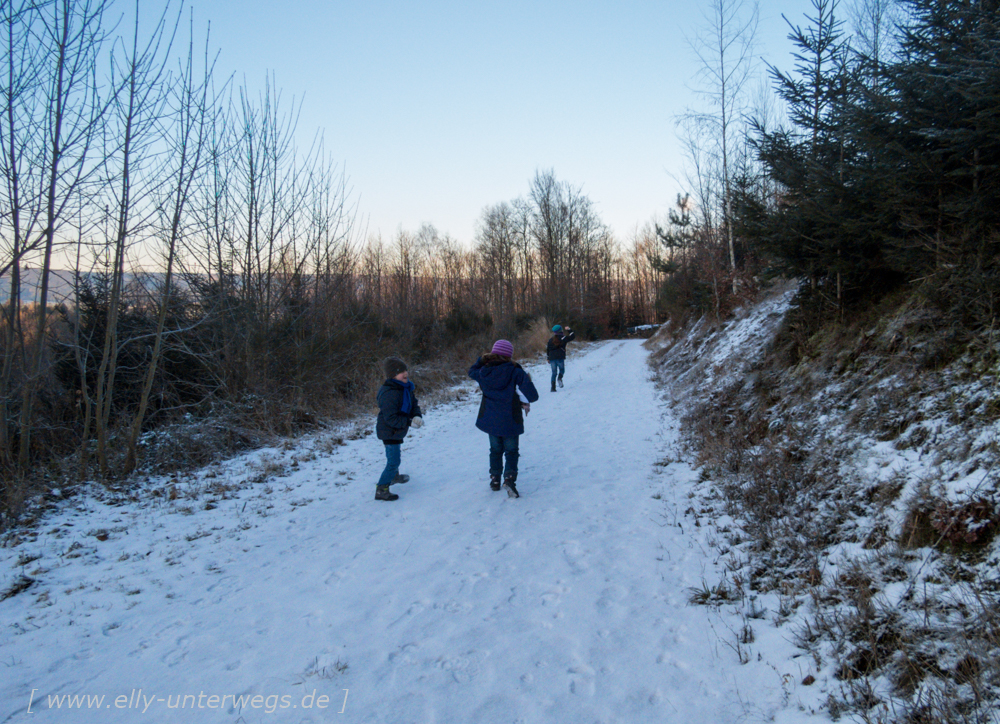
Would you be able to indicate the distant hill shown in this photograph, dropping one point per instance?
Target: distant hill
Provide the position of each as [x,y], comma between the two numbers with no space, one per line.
[60,285]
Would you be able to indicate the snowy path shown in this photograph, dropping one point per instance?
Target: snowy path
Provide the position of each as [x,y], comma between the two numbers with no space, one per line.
[454,604]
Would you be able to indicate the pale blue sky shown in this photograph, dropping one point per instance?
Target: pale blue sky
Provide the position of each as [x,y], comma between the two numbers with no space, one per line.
[439,109]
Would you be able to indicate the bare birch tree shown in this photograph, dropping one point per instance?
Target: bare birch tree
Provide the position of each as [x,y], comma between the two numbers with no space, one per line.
[725,53]
[21,208]
[138,75]
[71,38]
[188,102]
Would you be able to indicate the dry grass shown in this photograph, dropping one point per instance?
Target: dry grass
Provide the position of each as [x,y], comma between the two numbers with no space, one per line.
[534,340]
[931,658]
[930,652]
[327,392]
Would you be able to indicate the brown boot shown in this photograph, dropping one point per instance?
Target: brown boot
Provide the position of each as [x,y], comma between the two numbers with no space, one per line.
[382,493]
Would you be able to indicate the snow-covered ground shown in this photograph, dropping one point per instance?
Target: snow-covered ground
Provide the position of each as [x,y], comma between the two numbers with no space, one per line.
[277,576]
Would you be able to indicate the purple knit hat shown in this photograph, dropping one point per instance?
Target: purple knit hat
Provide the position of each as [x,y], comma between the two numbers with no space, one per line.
[503,347]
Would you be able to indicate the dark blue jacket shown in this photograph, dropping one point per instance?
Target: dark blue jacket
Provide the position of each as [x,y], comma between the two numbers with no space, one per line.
[393,423]
[556,347]
[500,411]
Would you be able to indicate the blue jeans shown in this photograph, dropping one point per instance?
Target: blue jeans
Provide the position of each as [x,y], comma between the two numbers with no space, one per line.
[391,464]
[557,365]
[499,446]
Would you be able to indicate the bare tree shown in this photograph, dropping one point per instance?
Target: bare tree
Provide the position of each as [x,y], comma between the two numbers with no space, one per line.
[21,208]
[725,52]
[496,245]
[71,38]
[872,24]
[138,73]
[189,110]
[548,228]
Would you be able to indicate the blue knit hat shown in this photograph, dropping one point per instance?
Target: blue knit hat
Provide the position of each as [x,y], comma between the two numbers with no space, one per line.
[557,328]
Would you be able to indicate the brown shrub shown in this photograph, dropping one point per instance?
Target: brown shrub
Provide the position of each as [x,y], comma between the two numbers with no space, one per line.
[967,524]
[534,340]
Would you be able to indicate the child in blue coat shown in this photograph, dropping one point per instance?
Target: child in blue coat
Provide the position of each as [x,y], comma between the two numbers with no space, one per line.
[556,351]
[398,411]
[501,413]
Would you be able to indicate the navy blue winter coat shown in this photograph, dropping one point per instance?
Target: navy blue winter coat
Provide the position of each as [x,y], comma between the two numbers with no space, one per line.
[556,347]
[392,423]
[500,411]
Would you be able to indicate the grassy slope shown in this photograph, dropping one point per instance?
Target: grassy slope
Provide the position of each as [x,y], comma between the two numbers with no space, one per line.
[859,458]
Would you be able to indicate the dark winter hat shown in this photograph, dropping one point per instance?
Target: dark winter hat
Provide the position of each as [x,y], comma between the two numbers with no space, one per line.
[557,328]
[503,348]
[393,366]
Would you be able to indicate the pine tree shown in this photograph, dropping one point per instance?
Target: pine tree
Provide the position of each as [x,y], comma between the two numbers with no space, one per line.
[819,228]
[941,129]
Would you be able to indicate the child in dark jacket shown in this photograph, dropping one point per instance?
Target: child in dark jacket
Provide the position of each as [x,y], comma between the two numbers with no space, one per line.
[501,413]
[397,411]
[556,352]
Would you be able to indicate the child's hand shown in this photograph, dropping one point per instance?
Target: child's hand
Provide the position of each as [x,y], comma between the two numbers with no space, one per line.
[416,422]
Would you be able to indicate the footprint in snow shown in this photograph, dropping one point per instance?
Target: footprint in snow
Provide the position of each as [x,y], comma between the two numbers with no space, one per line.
[463,668]
[609,597]
[454,607]
[175,657]
[554,596]
[575,557]
[404,655]
[582,681]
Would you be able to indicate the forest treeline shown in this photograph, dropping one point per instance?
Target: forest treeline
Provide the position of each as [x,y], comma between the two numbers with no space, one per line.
[872,163]
[219,271]
[869,172]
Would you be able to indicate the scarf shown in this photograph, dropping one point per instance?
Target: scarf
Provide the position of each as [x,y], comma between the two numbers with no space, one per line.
[407,399]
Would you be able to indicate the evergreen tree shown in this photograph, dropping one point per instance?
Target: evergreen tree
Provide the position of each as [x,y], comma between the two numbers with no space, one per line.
[819,227]
[891,170]
[936,136]
[857,170]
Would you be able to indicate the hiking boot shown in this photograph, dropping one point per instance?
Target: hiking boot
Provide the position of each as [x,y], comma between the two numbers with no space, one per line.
[382,493]
[400,478]
[508,484]
[494,482]
[553,386]
[561,382]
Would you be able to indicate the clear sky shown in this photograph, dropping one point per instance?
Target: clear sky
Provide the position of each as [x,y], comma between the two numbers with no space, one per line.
[439,108]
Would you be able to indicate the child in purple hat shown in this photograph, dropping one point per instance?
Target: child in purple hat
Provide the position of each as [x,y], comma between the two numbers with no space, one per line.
[501,413]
